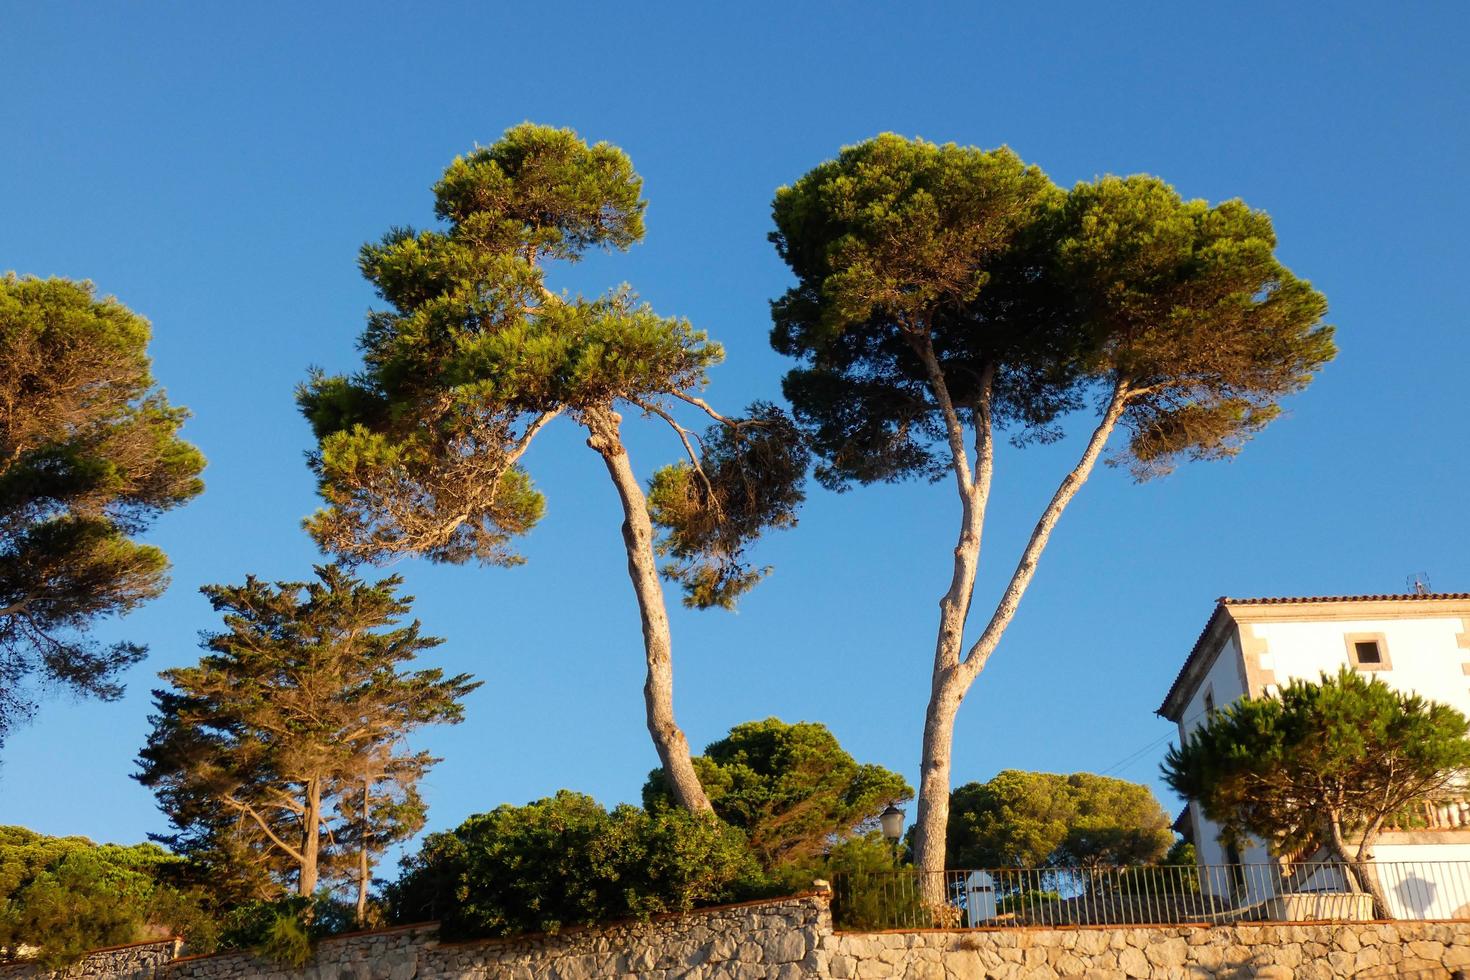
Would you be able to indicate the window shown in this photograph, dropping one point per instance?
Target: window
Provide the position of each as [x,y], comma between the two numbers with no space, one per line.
[1368,651]
[1209,705]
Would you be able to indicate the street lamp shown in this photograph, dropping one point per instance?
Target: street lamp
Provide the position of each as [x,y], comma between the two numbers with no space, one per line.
[891,820]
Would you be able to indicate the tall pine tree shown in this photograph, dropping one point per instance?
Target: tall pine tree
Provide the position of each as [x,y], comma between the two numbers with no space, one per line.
[420,452]
[261,753]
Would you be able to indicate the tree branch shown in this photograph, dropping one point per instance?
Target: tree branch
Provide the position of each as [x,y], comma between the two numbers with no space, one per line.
[1005,610]
[704,406]
[249,811]
[683,437]
[953,427]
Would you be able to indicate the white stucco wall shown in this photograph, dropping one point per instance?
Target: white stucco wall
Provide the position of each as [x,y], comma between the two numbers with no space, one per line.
[1425,881]
[1424,654]
[1224,682]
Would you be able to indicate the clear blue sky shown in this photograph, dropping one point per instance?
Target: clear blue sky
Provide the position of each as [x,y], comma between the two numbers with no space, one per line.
[217,166]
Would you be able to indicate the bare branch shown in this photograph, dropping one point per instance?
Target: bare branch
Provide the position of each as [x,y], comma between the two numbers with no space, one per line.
[953,427]
[249,811]
[706,407]
[683,437]
[980,652]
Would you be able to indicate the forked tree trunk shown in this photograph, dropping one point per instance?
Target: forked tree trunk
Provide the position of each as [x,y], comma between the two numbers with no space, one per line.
[952,675]
[1362,875]
[658,689]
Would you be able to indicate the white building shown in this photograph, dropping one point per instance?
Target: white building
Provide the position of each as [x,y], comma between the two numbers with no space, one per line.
[1413,642]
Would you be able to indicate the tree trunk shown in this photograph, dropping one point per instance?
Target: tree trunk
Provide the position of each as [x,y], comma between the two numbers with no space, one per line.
[953,676]
[1367,876]
[310,842]
[1362,876]
[362,862]
[932,821]
[658,689]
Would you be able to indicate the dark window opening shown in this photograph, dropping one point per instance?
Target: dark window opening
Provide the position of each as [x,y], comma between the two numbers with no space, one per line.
[1367,652]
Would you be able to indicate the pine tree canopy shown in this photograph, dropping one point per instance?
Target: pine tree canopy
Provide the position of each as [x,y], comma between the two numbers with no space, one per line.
[421,451]
[89,456]
[1320,763]
[920,265]
[1042,819]
[793,789]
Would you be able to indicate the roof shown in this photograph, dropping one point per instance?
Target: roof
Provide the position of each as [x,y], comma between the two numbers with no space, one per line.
[1295,600]
[1193,662]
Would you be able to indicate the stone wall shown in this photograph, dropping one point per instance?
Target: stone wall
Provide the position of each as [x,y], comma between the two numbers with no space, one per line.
[1281,952]
[135,962]
[793,937]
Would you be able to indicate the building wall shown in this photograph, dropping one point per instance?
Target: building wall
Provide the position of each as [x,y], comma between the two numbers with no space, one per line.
[1223,682]
[1424,654]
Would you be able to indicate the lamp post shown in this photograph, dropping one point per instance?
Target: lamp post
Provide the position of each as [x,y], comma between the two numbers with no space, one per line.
[891,820]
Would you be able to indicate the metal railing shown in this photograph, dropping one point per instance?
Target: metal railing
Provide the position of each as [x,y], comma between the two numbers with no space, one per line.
[1147,895]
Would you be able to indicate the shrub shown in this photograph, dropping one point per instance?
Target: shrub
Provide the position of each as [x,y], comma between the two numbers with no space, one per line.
[566,861]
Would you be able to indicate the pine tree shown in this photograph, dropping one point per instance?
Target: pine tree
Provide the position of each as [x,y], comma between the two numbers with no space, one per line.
[299,706]
[946,295]
[420,452]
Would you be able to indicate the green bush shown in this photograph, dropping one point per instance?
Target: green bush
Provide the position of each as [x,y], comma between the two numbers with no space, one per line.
[566,861]
[67,895]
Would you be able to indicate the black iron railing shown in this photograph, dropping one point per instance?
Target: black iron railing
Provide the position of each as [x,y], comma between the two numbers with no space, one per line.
[1150,895]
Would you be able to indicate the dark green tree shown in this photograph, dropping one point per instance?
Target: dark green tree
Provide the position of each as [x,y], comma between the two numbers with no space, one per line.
[565,861]
[64,896]
[1042,819]
[89,456]
[1321,765]
[792,789]
[420,451]
[946,295]
[302,701]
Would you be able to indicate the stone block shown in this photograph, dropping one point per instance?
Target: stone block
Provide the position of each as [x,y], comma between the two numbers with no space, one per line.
[786,947]
[1427,950]
[1132,962]
[1069,965]
[1167,952]
[867,969]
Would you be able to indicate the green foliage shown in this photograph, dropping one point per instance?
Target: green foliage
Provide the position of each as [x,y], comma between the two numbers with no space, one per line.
[283,930]
[1181,855]
[1187,304]
[420,451]
[89,456]
[261,752]
[67,895]
[1037,819]
[903,248]
[792,789]
[748,478]
[565,861]
[1321,763]
[906,251]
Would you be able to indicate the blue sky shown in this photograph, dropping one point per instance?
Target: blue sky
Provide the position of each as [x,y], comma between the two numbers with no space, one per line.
[217,166]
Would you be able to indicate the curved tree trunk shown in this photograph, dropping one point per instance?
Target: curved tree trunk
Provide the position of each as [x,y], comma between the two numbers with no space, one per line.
[658,689]
[1363,876]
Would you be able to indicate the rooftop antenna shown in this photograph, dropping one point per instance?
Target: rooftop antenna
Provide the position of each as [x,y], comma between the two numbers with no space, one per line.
[1417,583]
